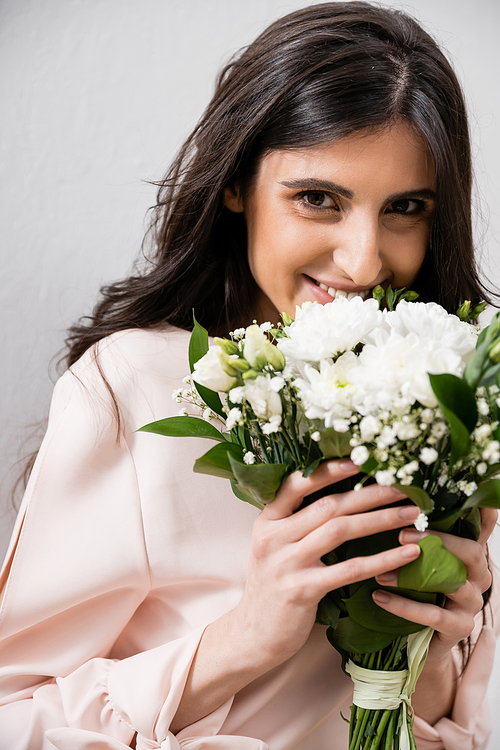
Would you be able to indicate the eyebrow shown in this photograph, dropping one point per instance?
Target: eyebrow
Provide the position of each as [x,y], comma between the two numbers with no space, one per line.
[312,183]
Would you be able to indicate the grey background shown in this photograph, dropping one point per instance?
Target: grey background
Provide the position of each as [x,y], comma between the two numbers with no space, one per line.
[97,95]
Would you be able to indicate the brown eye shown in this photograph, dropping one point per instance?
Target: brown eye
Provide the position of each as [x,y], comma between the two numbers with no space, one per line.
[318,199]
[405,206]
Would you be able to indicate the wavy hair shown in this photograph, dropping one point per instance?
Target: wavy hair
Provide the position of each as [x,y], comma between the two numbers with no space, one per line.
[313,76]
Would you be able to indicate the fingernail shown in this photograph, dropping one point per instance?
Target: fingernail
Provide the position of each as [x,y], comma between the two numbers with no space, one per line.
[397,492]
[381,596]
[348,465]
[409,513]
[410,535]
[410,552]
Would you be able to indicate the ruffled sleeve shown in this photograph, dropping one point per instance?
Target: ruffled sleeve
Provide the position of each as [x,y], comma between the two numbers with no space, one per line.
[76,572]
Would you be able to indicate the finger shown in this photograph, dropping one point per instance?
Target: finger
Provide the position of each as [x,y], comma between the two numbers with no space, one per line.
[471,553]
[296,487]
[335,532]
[303,522]
[454,625]
[489,519]
[329,577]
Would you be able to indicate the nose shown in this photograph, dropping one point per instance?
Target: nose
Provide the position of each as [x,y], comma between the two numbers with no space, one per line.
[358,249]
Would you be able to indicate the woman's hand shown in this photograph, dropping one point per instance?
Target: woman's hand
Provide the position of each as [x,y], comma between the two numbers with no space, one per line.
[286,577]
[454,622]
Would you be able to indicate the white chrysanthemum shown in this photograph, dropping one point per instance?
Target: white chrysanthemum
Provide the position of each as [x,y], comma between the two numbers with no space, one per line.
[327,394]
[324,331]
[261,396]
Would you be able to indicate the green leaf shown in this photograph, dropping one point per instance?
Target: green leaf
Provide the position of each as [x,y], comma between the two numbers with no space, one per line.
[262,481]
[476,365]
[363,610]
[309,469]
[198,347]
[487,495]
[418,496]
[436,569]
[184,427]
[216,461]
[335,444]
[328,612]
[351,636]
[242,494]
[455,395]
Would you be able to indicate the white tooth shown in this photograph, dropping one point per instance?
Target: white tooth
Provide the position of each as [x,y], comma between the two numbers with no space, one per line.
[364,293]
[351,295]
[323,286]
[340,293]
[331,292]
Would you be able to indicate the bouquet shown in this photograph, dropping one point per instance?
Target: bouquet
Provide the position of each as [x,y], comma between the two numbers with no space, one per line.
[412,394]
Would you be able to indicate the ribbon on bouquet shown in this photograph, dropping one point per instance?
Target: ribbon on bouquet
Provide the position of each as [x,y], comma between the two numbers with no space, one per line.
[383,690]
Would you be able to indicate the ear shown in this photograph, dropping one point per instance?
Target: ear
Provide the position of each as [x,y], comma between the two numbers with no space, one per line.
[233,199]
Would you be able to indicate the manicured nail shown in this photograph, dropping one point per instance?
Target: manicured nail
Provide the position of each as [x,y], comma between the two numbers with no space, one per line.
[407,536]
[381,596]
[347,465]
[409,513]
[410,552]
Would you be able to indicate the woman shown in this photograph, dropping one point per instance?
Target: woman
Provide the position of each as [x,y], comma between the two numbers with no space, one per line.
[139,607]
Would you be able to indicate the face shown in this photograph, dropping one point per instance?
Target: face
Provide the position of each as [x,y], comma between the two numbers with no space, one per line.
[337,219]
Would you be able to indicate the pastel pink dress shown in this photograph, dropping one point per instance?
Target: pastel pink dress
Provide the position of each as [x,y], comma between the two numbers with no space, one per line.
[121,556]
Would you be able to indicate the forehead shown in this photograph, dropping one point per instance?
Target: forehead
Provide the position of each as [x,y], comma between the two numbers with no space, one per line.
[393,155]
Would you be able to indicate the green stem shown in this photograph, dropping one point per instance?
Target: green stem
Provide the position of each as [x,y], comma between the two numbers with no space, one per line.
[381,729]
[390,730]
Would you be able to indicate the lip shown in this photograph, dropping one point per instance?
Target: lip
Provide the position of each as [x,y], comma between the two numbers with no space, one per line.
[322,295]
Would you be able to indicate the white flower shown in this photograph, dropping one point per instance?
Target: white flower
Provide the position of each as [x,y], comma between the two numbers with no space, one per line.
[385,477]
[439,430]
[340,425]
[259,351]
[491,450]
[427,415]
[386,438]
[327,394]
[177,395]
[249,457]
[238,333]
[316,436]
[233,418]
[212,370]
[369,426]
[236,395]
[482,468]
[273,425]
[406,431]
[207,413]
[262,397]
[421,523]
[323,331]
[359,455]
[483,407]
[428,455]
[483,431]
[277,383]
[183,412]
[267,326]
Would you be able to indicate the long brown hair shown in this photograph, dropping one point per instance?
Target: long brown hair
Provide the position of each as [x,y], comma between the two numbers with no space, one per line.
[313,76]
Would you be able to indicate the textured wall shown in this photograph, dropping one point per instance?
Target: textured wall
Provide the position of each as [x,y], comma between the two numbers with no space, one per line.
[96,96]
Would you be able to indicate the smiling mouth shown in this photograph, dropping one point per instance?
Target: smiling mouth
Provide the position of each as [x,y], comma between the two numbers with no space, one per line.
[338,293]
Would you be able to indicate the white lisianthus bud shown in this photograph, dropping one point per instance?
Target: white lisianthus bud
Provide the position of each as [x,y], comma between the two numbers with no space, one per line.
[359,455]
[214,370]
[249,457]
[428,456]
[316,436]
[421,523]
[259,351]
[233,418]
